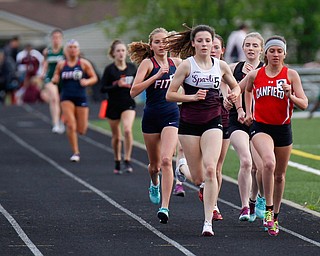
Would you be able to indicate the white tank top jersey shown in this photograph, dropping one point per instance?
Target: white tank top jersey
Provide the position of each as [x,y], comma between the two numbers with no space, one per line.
[202,111]
[201,78]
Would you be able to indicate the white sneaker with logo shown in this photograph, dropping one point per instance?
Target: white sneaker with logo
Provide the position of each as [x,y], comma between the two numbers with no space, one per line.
[207,229]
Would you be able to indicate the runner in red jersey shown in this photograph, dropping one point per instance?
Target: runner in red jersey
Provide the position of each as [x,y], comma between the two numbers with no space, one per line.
[276,89]
[268,91]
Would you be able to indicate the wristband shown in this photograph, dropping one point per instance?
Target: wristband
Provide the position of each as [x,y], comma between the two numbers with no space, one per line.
[238,108]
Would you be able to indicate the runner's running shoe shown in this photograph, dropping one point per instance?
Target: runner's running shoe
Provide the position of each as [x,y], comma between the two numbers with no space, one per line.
[264,228]
[268,219]
[128,167]
[260,207]
[217,216]
[253,215]
[200,192]
[178,190]
[154,193]
[62,127]
[116,171]
[57,129]
[75,158]
[179,175]
[244,214]
[163,215]
[274,231]
[207,229]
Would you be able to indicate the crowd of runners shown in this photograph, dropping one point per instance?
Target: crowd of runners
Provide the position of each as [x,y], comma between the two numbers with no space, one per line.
[196,105]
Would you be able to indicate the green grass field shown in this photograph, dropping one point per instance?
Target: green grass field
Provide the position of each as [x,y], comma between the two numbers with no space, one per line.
[301,187]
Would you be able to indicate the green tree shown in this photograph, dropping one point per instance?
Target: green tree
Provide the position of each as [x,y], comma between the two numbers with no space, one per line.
[297,21]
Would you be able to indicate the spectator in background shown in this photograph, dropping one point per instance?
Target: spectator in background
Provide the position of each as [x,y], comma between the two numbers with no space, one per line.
[8,81]
[234,51]
[29,63]
[32,93]
[12,48]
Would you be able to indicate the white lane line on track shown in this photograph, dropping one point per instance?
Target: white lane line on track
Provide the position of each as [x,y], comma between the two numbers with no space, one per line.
[27,146]
[102,146]
[281,228]
[304,168]
[20,232]
[300,236]
[226,178]
[143,165]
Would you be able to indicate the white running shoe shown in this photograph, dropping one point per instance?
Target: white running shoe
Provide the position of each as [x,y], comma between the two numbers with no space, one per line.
[62,128]
[58,128]
[207,229]
[55,128]
[179,175]
[75,158]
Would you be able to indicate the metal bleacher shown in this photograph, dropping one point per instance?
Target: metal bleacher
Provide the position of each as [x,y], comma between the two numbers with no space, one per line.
[310,78]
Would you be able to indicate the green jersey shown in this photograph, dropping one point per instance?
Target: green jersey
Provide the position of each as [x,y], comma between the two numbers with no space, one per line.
[52,59]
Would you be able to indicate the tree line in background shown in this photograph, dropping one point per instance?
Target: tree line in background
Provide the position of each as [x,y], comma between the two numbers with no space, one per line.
[297,21]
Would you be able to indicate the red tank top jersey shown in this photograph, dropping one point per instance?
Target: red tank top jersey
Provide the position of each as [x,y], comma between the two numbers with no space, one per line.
[271,105]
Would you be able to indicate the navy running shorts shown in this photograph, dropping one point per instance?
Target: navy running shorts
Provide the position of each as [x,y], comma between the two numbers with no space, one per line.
[77,101]
[155,122]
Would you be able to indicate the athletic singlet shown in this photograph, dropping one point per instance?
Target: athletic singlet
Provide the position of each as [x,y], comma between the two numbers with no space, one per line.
[53,59]
[271,105]
[202,111]
[156,92]
[117,95]
[70,80]
[239,75]
[32,64]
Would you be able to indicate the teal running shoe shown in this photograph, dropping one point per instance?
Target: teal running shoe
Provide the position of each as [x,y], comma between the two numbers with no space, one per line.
[163,215]
[154,193]
[260,207]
